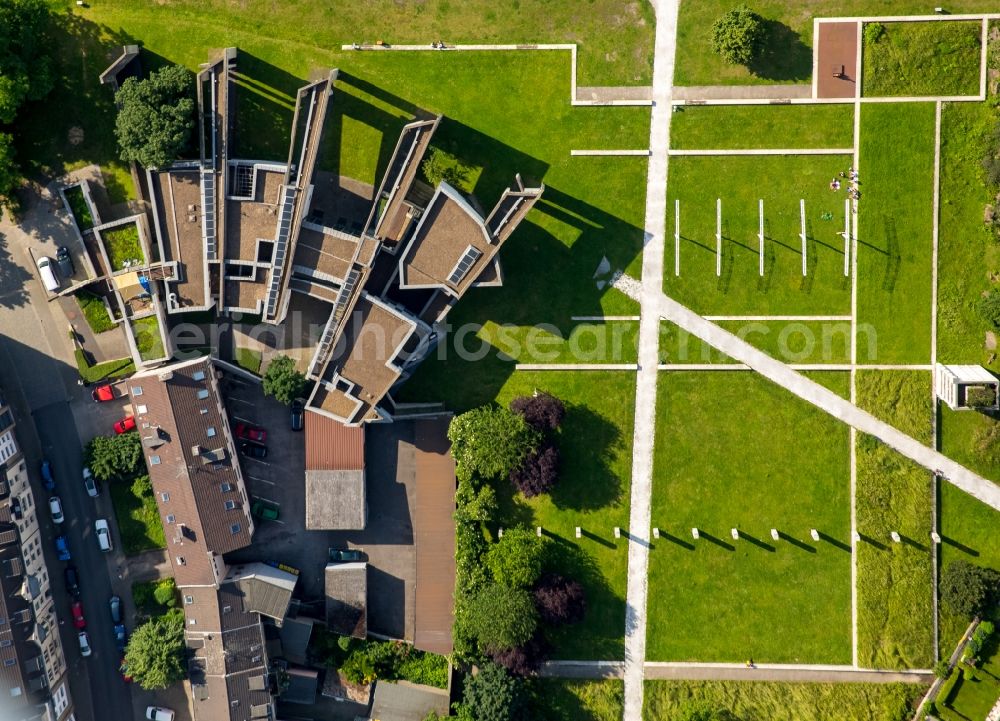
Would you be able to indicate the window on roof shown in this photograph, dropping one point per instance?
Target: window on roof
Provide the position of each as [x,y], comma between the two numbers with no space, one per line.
[141,409]
[230,505]
[203,394]
[189,600]
[154,460]
[137,390]
[234,529]
[170,518]
[165,496]
[225,488]
[461,269]
[181,561]
[9,662]
[198,375]
[211,432]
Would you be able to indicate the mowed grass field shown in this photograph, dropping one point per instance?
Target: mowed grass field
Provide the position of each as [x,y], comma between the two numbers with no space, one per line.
[735,451]
[741,183]
[895,580]
[895,228]
[917,59]
[595,445]
[705,127]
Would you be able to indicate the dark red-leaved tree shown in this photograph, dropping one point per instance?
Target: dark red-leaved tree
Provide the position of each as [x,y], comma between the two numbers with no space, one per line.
[538,471]
[523,660]
[543,411]
[559,600]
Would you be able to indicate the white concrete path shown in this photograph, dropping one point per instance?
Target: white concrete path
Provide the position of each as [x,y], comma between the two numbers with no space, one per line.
[649,333]
[765,151]
[824,399]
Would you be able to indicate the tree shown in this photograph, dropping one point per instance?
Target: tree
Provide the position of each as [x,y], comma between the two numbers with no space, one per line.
[493,695]
[165,592]
[739,36]
[25,65]
[475,505]
[524,660]
[542,411]
[441,165]
[538,472]
[988,307]
[155,116]
[500,617]
[516,559]
[559,600]
[10,174]
[968,590]
[155,652]
[283,381]
[114,457]
[490,441]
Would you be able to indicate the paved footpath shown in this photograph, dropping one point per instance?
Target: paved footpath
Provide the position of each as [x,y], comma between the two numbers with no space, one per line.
[649,333]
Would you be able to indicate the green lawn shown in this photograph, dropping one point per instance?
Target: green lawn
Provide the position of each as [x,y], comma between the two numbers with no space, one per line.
[895,228]
[790,23]
[147,337]
[740,182]
[968,526]
[720,465]
[584,342]
[919,59]
[78,206]
[95,312]
[895,580]
[248,360]
[792,341]
[109,369]
[595,444]
[566,700]
[967,252]
[666,700]
[976,692]
[122,244]
[762,126]
[138,520]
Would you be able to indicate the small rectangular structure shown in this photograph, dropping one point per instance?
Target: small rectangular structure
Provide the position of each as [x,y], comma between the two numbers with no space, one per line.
[836,59]
[335,474]
[347,598]
[402,701]
[966,387]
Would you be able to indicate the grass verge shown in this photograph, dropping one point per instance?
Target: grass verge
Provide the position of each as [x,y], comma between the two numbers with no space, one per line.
[895,580]
[108,370]
[147,337]
[919,59]
[565,700]
[95,312]
[122,244]
[895,228]
[248,360]
[730,600]
[78,206]
[138,519]
[762,126]
[783,701]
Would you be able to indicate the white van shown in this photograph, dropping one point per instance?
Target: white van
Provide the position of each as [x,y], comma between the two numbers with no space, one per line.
[48,275]
[103,535]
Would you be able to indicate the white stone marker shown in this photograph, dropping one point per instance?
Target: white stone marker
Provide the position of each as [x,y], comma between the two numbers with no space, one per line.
[775,535]
[936,537]
[856,536]
[694,533]
[538,531]
[618,532]
[578,532]
[895,537]
[735,533]
[815,534]
[500,533]
[656,533]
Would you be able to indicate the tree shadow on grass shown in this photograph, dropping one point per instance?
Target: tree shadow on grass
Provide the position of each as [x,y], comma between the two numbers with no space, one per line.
[587,445]
[785,56]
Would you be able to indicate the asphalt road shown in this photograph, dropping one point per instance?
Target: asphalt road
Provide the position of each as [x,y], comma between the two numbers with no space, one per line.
[41,387]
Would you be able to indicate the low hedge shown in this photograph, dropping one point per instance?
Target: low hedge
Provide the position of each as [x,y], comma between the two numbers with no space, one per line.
[109,370]
[95,313]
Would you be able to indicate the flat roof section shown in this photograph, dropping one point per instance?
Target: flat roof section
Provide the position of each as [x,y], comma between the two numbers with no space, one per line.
[179,217]
[389,213]
[329,253]
[250,220]
[837,60]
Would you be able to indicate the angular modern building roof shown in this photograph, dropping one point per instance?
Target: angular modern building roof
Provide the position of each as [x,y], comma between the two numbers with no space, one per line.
[402,701]
[265,589]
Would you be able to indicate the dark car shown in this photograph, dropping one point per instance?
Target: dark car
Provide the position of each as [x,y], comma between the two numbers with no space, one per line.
[116,609]
[65,263]
[298,415]
[72,581]
[345,555]
[50,482]
[121,636]
[253,450]
[62,548]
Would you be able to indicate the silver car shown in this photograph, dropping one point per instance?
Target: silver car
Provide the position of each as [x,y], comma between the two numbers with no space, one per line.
[89,483]
[55,507]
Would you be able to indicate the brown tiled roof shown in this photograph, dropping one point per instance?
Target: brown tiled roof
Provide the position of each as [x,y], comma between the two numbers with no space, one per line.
[332,446]
[175,429]
[434,537]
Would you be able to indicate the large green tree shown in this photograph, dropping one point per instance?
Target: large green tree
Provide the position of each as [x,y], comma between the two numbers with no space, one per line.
[490,441]
[156,116]
[501,617]
[114,457]
[283,381]
[155,652]
[967,589]
[739,36]
[516,559]
[493,695]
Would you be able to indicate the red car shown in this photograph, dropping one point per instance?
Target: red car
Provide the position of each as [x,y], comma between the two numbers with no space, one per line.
[251,433]
[125,425]
[104,392]
[123,669]
[78,620]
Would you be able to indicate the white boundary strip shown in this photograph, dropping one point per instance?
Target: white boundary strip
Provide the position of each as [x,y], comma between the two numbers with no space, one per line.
[985,51]
[853,435]
[602,318]
[843,367]
[831,101]
[934,399]
[804,236]
[778,317]
[571,47]
[677,237]
[577,366]
[592,153]
[910,18]
[764,151]
[718,237]
[786,667]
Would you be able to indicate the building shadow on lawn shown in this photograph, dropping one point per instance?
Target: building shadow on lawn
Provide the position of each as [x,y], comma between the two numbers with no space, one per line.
[785,56]
[263,105]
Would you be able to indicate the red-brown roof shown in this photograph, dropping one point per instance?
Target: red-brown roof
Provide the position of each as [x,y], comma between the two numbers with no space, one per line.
[332,446]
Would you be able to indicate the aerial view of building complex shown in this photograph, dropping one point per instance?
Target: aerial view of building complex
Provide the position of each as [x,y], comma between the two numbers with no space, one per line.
[410,360]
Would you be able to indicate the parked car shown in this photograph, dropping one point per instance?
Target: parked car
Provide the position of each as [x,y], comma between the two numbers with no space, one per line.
[89,483]
[84,643]
[65,262]
[116,609]
[47,479]
[55,507]
[345,555]
[47,274]
[103,535]
[158,713]
[123,670]
[121,636]
[72,581]
[104,392]
[125,425]
[78,620]
[246,432]
[298,415]
[62,548]
[264,510]
[253,450]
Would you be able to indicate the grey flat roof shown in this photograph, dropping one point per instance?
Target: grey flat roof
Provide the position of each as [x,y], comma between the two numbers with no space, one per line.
[335,500]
